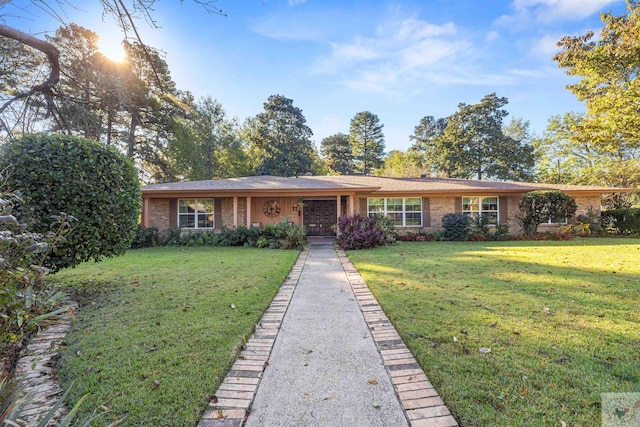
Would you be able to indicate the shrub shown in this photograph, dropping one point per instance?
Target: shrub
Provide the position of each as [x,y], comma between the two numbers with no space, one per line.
[280,235]
[146,238]
[171,237]
[359,232]
[539,206]
[416,237]
[457,226]
[25,298]
[621,221]
[86,179]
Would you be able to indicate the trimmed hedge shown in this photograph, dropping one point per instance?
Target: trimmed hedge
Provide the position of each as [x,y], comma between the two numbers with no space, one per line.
[92,182]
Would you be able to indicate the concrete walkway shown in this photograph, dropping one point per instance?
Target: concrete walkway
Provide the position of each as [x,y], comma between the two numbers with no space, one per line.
[334,359]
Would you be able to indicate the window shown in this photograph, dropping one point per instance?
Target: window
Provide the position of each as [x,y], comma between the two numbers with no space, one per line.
[555,221]
[481,207]
[404,212]
[196,213]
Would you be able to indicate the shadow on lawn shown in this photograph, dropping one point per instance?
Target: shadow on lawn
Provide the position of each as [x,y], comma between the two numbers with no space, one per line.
[559,334]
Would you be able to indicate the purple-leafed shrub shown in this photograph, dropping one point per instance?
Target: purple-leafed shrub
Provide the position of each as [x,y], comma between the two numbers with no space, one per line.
[359,232]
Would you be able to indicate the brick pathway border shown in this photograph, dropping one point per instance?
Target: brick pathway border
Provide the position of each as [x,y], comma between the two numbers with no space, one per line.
[421,402]
[35,372]
[232,401]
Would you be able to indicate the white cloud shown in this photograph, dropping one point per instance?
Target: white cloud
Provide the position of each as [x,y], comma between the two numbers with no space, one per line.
[398,54]
[491,36]
[548,11]
[546,46]
[296,30]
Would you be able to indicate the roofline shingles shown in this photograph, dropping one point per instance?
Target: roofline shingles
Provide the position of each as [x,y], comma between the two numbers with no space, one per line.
[368,184]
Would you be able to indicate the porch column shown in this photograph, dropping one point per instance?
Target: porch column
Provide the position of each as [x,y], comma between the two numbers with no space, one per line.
[235,211]
[350,205]
[338,213]
[248,211]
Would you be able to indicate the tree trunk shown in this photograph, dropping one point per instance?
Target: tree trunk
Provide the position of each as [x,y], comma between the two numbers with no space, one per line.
[131,143]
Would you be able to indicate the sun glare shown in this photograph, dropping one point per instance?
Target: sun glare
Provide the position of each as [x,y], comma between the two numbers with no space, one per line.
[112,49]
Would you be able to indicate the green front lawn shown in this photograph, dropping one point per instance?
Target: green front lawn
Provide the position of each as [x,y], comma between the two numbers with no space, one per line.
[562,320]
[157,333]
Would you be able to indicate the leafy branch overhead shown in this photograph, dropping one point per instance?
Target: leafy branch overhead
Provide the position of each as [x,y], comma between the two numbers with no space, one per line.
[608,66]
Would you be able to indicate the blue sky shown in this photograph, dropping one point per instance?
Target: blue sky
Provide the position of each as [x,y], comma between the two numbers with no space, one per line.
[401,60]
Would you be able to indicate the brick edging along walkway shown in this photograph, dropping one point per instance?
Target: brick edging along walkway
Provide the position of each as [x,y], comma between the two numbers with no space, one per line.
[421,402]
[232,401]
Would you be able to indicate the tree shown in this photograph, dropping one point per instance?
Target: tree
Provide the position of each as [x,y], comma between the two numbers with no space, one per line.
[46,91]
[282,136]
[367,142]
[94,183]
[400,164]
[425,137]
[19,71]
[566,155]
[473,142]
[541,206]
[337,152]
[610,85]
[205,144]
[518,163]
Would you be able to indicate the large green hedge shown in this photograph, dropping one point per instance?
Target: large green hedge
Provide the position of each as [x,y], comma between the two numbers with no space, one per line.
[624,221]
[88,180]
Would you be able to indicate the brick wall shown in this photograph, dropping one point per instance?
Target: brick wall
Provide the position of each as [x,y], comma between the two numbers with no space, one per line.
[227,212]
[440,206]
[588,202]
[159,214]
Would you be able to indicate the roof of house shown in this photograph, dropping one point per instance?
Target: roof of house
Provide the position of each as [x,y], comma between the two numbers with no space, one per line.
[363,185]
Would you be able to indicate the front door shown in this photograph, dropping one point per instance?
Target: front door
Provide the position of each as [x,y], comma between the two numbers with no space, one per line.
[319,216]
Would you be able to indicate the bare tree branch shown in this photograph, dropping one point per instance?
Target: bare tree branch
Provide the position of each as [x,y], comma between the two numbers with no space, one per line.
[46,87]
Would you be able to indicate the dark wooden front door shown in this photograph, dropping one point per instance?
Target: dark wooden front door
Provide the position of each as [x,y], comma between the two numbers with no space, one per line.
[319,216]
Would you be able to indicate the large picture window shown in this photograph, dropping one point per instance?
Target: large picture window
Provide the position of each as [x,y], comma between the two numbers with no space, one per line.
[481,207]
[405,212]
[196,213]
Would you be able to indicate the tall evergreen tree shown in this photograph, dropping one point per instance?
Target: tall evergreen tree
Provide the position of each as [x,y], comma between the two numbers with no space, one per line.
[474,143]
[337,152]
[283,137]
[367,142]
[424,137]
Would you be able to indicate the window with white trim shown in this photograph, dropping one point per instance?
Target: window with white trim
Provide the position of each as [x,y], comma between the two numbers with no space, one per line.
[481,207]
[403,211]
[556,221]
[196,213]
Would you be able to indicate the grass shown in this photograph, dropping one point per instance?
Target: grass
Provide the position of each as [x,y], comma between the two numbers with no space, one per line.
[562,320]
[156,333]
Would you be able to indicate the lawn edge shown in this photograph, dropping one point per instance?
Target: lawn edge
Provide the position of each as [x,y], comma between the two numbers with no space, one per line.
[422,404]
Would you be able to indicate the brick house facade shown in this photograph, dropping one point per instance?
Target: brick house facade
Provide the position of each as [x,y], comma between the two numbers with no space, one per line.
[318,201]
